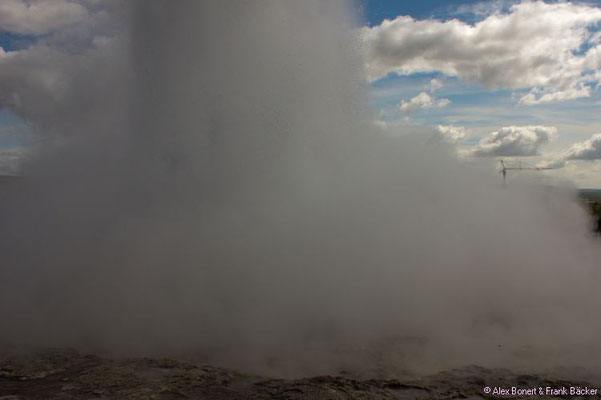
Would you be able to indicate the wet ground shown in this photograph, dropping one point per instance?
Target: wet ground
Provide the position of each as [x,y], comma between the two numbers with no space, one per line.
[63,374]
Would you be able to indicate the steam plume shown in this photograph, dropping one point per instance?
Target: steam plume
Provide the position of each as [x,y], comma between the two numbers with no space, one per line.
[221,193]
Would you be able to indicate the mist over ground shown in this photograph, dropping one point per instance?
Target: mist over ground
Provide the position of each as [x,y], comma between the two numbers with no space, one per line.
[209,182]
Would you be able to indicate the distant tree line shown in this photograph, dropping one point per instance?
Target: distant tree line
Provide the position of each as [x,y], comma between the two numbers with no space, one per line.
[595,209]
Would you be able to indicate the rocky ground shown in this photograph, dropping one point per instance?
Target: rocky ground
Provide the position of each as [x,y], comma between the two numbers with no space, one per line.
[71,375]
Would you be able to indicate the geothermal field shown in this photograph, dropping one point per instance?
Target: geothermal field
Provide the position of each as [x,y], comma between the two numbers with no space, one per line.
[209,211]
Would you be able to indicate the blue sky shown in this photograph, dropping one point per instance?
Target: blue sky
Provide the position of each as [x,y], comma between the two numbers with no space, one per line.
[10,42]
[12,130]
[374,11]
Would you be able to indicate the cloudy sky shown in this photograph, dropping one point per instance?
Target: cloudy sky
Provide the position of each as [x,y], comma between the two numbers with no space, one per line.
[497,79]
[500,79]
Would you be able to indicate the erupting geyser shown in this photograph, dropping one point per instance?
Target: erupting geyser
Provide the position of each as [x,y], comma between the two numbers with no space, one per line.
[215,187]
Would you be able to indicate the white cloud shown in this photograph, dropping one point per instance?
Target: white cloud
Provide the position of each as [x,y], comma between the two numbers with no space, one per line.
[585,173]
[534,46]
[548,96]
[37,17]
[589,149]
[451,134]
[10,159]
[484,8]
[52,76]
[423,101]
[554,163]
[435,84]
[514,141]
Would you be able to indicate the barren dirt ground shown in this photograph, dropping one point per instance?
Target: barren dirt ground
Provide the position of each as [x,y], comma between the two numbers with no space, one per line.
[61,374]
